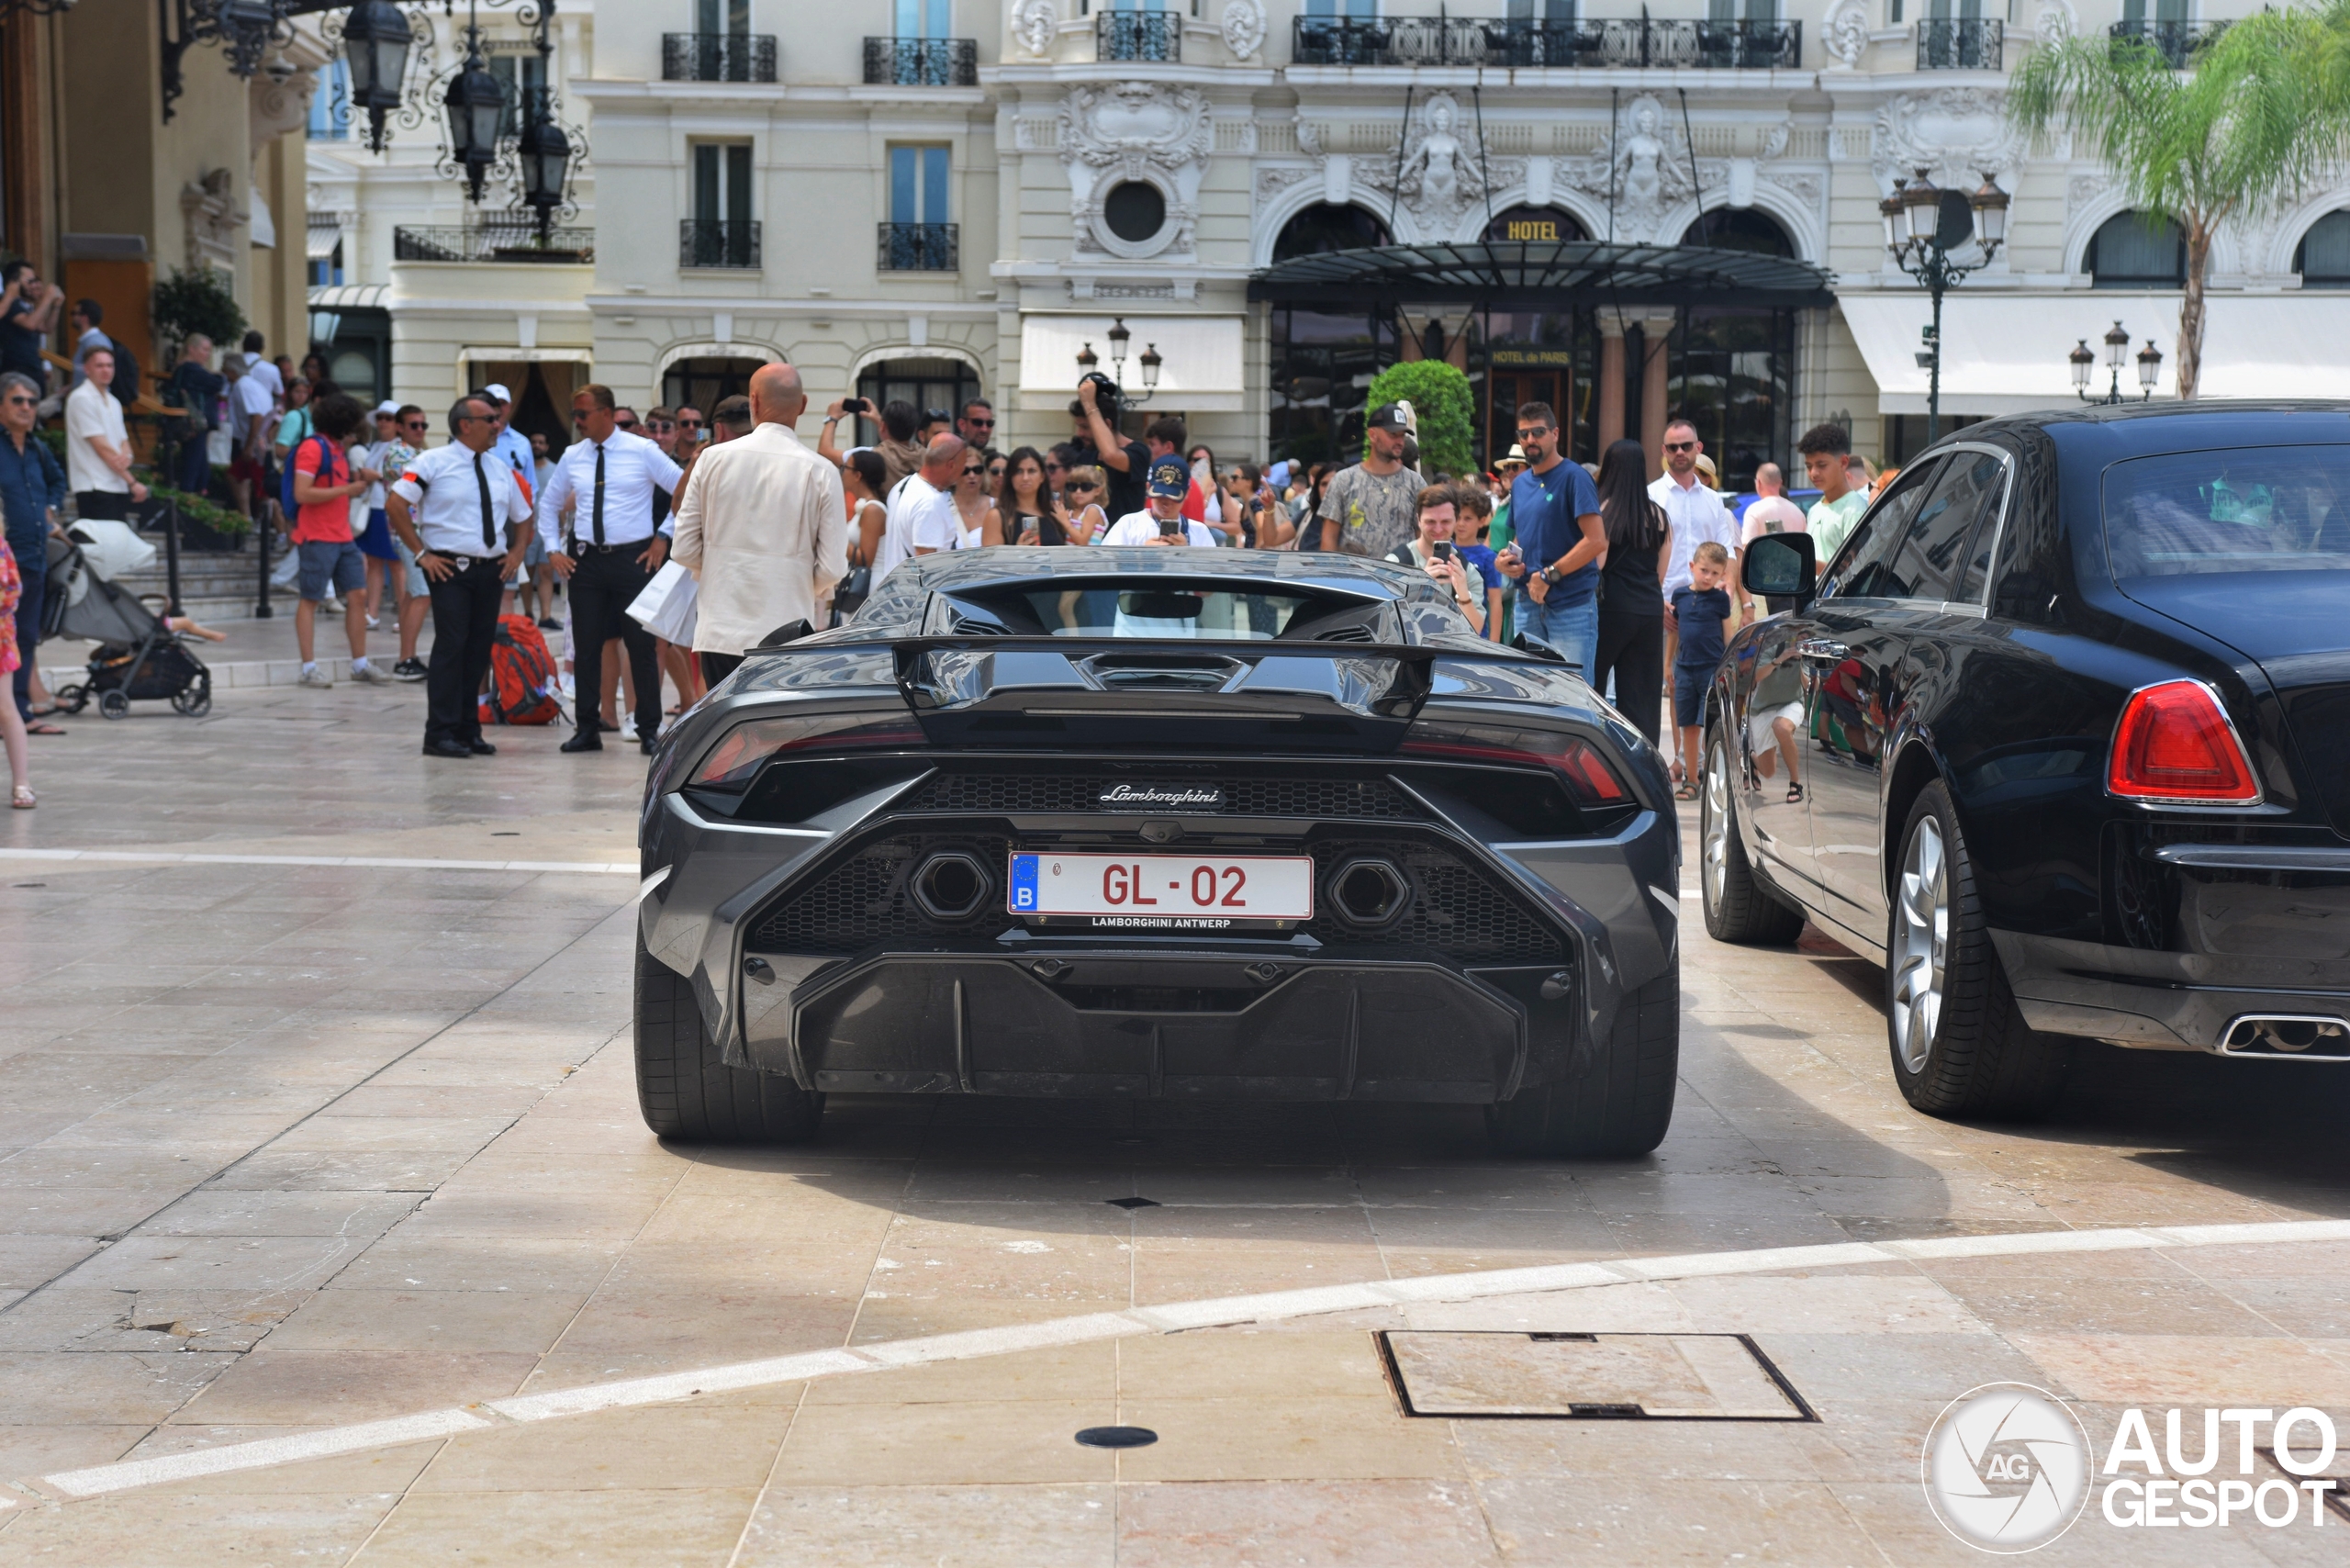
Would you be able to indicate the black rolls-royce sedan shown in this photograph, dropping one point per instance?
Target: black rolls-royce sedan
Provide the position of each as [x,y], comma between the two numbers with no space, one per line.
[2062,738]
[1159,823]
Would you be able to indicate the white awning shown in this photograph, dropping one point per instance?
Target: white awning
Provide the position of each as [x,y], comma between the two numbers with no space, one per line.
[349,297]
[323,236]
[2005,354]
[1202,353]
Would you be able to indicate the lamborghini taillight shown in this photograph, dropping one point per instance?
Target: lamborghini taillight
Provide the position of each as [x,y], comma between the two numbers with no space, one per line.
[747,748]
[2174,745]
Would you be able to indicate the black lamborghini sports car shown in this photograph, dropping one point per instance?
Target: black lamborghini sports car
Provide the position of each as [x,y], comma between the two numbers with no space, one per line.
[1166,823]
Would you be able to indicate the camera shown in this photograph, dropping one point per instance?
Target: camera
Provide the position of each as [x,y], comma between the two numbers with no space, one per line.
[856,406]
[1444,550]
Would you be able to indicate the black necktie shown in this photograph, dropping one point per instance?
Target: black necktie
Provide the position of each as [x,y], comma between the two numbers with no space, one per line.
[488,520]
[599,492]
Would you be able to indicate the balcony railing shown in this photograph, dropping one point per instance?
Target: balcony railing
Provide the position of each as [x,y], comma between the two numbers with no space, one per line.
[494,241]
[2174,42]
[717,57]
[920,248]
[922,62]
[718,242]
[1638,42]
[1961,43]
[1137,35]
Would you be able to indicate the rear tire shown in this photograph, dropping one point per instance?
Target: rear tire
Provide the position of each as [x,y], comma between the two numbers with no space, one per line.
[688,1095]
[1960,1045]
[1737,907]
[1620,1108]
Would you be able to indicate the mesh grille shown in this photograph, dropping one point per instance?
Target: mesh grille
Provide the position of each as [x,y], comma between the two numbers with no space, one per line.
[1455,909]
[866,900]
[1327,799]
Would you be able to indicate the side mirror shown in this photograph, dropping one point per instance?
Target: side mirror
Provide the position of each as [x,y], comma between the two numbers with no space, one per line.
[1778,565]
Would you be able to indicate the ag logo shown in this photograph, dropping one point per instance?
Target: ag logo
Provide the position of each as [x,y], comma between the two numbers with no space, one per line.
[2007,1468]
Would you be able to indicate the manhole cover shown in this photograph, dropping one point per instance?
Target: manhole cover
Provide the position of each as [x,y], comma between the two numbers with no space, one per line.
[1672,1377]
[1117,1437]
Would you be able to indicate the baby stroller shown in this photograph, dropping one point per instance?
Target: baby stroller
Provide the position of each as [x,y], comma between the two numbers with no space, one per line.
[138,657]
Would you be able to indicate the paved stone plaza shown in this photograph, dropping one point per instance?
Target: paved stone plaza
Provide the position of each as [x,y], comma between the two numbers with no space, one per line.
[290,1146]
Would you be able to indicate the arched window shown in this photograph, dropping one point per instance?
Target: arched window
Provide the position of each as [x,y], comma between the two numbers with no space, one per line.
[1326,227]
[1534,226]
[1736,229]
[2137,250]
[2323,258]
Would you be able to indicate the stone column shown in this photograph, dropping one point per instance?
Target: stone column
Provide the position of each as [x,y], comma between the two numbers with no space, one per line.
[1611,381]
[1656,330]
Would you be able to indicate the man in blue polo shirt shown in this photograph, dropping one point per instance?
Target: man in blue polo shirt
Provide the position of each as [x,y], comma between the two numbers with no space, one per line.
[1554,509]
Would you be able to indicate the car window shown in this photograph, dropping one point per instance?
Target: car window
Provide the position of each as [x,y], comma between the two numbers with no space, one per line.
[2275,509]
[1987,537]
[1861,571]
[1926,566]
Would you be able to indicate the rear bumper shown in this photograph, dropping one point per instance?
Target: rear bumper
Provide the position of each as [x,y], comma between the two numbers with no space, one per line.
[2180,1001]
[1161,1020]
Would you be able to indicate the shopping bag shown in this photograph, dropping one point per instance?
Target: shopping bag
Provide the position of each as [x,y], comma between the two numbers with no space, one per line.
[665,608]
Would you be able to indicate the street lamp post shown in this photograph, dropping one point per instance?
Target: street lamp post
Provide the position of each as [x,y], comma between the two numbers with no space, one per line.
[1914,234]
[1153,362]
[2117,352]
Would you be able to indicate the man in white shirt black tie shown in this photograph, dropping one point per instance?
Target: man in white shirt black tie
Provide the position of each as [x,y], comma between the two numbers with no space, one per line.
[451,506]
[607,477]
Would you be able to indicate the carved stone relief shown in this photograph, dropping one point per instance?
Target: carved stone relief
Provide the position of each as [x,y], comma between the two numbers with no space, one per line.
[1244,27]
[1152,132]
[1033,22]
[209,208]
[1844,33]
[1954,133]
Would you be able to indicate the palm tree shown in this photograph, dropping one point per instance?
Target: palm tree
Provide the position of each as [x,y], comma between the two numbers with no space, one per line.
[2257,112]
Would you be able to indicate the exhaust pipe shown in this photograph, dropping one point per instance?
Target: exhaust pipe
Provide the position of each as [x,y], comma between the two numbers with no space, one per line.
[2289,1035]
[951,886]
[1369,893]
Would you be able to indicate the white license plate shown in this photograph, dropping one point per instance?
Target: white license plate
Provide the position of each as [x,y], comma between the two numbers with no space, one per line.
[1178,891]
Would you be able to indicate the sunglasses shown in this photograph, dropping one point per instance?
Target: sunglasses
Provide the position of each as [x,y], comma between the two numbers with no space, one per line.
[414,424]
[973,472]
[18,398]
[689,424]
[980,424]
[626,424]
[1681,446]
[1532,432]
[1080,485]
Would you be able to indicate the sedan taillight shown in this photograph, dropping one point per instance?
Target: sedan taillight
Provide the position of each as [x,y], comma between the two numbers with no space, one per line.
[2174,745]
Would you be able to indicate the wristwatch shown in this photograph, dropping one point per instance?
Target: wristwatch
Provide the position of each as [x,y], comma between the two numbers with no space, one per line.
[1551,576]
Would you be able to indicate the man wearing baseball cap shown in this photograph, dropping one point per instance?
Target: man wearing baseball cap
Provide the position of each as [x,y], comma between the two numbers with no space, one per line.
[1161,522]
[512,446]
[1370,509]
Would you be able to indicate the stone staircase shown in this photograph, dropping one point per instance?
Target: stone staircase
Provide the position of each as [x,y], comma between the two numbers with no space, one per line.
[213,586]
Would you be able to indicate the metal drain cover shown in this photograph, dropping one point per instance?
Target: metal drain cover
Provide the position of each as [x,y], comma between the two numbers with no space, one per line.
[1684,1377]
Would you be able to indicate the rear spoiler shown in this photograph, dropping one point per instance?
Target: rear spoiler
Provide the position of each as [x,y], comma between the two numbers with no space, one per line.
[1349,696]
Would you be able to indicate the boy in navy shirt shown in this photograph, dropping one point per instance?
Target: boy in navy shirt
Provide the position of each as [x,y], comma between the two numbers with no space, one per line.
[1702,610]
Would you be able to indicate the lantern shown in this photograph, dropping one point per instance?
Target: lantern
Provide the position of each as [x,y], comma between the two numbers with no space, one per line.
[375,42]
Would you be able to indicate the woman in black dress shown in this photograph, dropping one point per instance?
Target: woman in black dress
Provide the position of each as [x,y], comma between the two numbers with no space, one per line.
[1631,589]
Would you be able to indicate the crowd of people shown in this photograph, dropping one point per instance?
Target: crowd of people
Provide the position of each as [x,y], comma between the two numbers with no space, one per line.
[1630,574]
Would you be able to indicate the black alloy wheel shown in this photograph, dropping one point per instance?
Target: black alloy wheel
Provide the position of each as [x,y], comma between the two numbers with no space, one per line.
[687,1092]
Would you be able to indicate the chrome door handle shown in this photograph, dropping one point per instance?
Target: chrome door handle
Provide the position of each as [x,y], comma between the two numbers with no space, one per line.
[1822,648]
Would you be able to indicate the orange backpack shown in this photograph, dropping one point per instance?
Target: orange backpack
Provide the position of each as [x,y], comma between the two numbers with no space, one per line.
[521,676]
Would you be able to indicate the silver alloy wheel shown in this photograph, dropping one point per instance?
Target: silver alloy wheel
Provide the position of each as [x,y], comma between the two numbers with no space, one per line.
[1921,939]
[1713,826]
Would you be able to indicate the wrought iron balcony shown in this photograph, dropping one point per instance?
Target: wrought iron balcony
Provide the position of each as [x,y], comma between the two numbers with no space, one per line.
[718,242]
[1961,43]
[718,57]
[1592,44]
[2174,42]
[922,62]
[920,248]
[1137,35]
[494,240]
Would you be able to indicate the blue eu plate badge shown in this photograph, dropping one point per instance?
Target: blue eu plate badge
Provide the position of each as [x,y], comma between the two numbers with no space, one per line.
[1023,883]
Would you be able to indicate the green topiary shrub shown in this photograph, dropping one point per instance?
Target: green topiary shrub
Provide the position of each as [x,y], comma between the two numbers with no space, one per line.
[1439,395]
[193,300]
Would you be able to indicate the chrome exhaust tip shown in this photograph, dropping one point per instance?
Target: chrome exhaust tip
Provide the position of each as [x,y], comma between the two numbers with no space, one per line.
[2298,1037]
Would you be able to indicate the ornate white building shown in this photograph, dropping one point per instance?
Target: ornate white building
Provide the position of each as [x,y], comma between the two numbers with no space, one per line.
[941,198]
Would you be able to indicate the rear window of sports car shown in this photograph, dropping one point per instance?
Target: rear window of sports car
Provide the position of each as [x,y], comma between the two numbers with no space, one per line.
[1150,610]
[2252,508]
